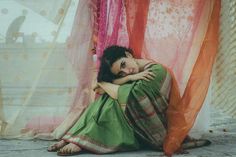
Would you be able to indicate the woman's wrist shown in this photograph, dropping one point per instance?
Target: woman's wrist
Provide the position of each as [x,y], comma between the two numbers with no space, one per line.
[129,78]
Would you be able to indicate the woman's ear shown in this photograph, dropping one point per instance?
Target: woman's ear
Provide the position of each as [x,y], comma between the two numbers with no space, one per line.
[128,54]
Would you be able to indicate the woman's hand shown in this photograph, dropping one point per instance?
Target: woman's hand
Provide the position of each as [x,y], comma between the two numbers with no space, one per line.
[97,89]
[110,88]
[146,75]
[100,91]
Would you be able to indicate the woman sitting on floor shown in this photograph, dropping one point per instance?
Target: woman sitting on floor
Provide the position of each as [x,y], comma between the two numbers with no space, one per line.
[131,114]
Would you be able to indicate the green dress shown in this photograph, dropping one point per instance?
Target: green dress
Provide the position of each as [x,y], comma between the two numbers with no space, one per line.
[107,127]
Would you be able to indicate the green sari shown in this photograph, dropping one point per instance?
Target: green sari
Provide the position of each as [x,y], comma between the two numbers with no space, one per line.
[137,117]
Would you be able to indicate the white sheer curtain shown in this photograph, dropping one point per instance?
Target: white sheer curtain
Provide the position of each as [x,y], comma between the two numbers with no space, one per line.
[53,10]
[38,83]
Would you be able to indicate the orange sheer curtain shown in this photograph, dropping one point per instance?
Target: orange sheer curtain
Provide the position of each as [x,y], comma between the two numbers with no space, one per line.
[136,12]
[183,111]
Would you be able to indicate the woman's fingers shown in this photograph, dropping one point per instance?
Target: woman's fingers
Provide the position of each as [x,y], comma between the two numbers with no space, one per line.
[99,90]
[95,87]
[145,75]
[149,75]
[149,72]
[144,78]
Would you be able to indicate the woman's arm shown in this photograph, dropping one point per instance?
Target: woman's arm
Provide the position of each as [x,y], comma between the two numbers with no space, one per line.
[110,89]
[143,75]
[122,80]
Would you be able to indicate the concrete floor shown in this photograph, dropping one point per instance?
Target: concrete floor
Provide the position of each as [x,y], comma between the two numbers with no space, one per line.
[223,144]
[223,137]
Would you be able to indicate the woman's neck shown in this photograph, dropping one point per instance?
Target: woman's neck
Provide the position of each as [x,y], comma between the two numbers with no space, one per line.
[142,63]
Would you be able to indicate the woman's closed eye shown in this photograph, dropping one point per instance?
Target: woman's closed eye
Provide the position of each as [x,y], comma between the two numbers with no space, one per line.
[121,74]
[122,65]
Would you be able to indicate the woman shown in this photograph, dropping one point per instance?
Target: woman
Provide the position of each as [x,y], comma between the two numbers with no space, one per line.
[131,112]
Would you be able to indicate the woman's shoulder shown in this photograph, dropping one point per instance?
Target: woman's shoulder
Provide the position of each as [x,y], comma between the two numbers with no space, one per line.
[150,64]
[155,66]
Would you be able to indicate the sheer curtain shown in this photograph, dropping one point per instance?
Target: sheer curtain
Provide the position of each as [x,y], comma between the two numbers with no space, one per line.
[38,83]
[79,46]
[111,25]
[54,10]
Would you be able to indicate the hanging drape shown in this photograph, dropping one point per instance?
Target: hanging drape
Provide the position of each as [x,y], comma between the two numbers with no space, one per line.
[38,83]
[137,15]
[111,26]
[79,53]
[43,8]
[108,30]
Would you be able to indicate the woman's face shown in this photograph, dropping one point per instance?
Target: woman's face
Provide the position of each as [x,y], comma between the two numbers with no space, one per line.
[125,66]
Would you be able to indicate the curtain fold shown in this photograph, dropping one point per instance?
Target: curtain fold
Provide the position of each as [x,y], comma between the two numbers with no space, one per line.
[37,81]
[111,29]
[79,53]
[174,33]
[136,12]
[53,10]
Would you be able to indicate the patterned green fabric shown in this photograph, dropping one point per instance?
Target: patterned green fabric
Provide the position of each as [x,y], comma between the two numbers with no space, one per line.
[147,105]
[104,127]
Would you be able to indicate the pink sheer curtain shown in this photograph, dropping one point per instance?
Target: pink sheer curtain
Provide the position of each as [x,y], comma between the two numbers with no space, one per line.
[170,30]
[79,54]
[111,27]
[97,24]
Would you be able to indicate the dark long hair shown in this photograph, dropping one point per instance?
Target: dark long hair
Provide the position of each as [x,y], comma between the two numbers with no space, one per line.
[110,55]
